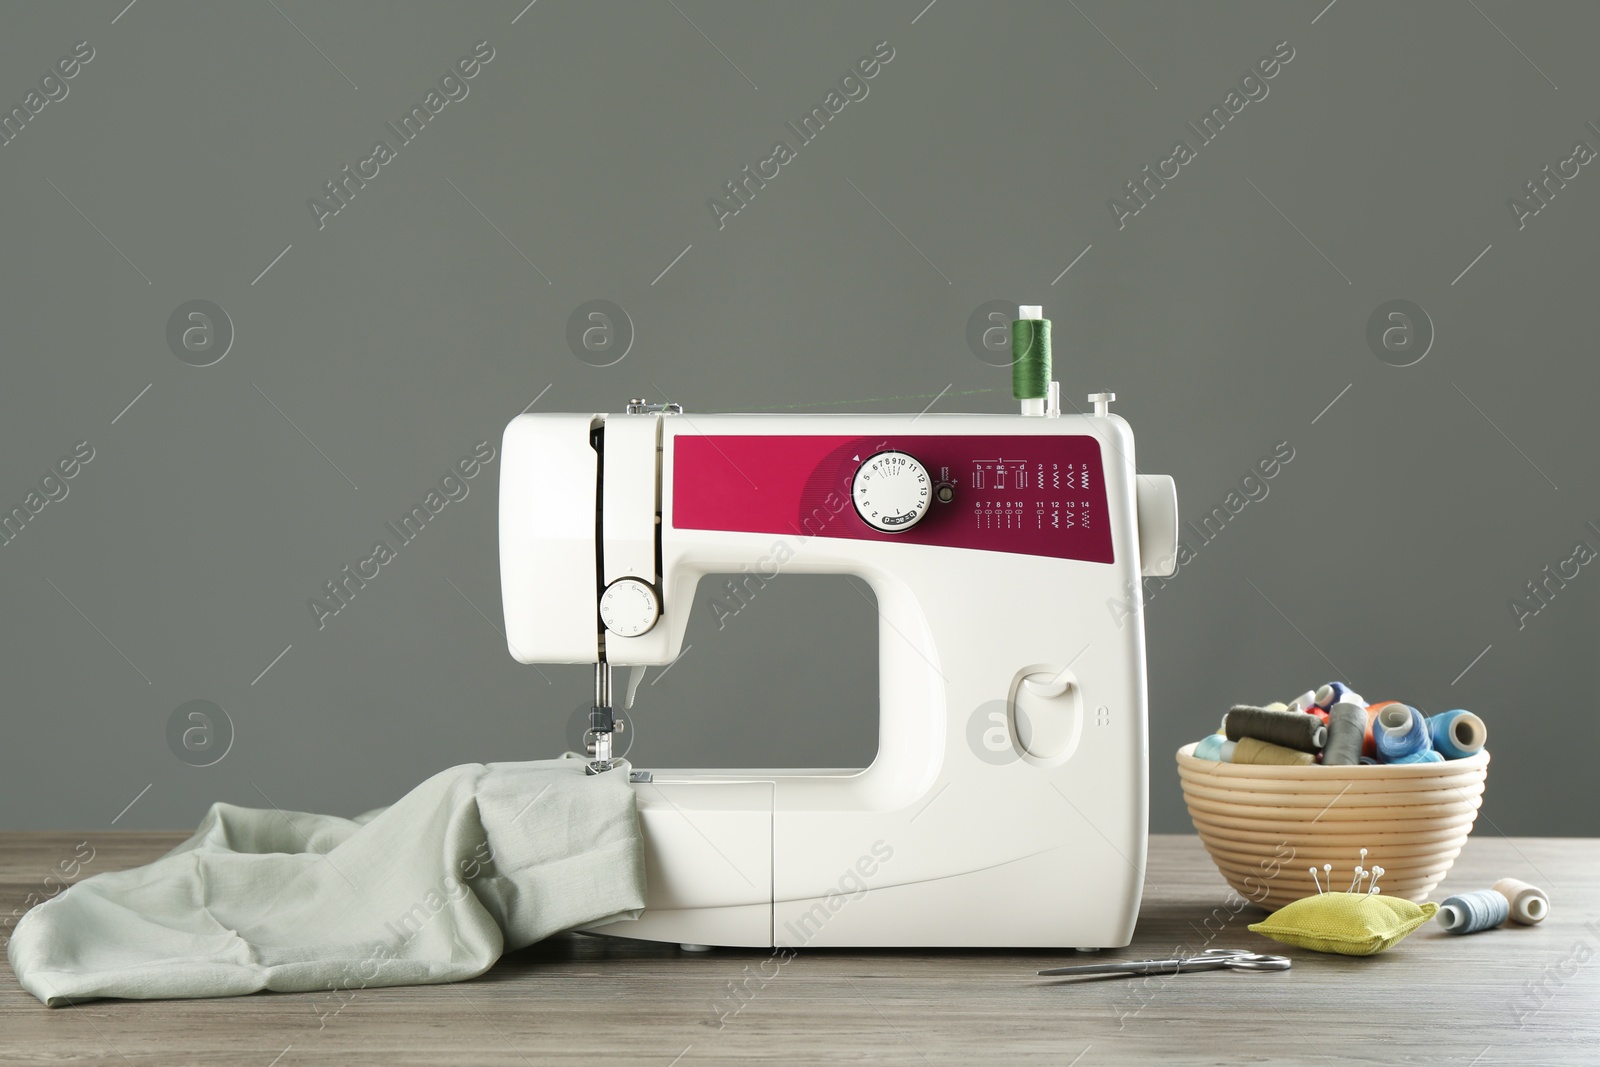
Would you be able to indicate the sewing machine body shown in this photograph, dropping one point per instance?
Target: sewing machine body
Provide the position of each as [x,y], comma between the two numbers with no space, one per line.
[1007,805]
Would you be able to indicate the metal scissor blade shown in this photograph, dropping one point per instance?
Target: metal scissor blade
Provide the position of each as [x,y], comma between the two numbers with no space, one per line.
[1134,967]
[1209,960]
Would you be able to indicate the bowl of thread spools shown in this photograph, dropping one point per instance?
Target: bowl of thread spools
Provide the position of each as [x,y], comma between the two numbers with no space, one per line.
[1323,777]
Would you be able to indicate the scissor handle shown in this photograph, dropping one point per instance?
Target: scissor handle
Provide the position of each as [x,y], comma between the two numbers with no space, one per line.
[1234,959]
[1243,960]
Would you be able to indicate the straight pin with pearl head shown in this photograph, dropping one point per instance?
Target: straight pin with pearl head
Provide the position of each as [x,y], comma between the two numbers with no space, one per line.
[1361,872]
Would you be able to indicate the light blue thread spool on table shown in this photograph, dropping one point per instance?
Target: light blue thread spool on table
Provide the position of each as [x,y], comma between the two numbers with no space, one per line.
[1470,913]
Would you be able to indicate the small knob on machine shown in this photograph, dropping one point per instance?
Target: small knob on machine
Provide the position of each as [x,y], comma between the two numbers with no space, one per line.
[629,607]
[891,491]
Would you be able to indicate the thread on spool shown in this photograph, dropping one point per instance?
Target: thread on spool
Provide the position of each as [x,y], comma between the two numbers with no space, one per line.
[1334,693]
[1030,358]
[1369,746]
[1254,750]
[1470,913]
[1214,747]
[1401,731]
[1347,724]
[1290,729]
[1457,734]
[1303,701]
[1529,904]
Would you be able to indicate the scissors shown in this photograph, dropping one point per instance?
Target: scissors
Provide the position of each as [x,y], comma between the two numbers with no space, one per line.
[1211,959]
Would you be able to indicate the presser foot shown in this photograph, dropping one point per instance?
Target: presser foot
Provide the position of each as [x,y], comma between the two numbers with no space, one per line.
[600,748]
[603,723]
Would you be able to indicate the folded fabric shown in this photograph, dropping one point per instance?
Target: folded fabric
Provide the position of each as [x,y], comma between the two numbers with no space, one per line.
[473,862]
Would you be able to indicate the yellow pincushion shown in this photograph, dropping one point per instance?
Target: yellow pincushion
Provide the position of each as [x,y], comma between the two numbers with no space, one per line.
[1351,924]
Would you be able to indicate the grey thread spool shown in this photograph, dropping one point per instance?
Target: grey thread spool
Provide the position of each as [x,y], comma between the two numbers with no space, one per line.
[1347,728]
[1469,913]
[1291,729]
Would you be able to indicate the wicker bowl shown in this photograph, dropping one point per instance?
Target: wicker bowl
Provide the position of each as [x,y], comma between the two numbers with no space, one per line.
[1265,825]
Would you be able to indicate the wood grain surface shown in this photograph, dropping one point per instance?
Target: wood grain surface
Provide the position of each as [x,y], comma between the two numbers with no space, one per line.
[1519,995]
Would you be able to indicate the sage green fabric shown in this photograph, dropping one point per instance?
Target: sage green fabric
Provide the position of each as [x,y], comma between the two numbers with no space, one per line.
[473,862]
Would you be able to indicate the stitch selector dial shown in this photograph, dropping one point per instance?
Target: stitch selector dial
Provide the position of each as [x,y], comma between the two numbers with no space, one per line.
[891,491]
[629,607]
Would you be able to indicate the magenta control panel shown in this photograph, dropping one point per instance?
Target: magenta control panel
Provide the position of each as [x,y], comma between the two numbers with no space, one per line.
[1039,494]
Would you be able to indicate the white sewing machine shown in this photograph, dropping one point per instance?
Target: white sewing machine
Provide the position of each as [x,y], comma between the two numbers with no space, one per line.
[1007,805]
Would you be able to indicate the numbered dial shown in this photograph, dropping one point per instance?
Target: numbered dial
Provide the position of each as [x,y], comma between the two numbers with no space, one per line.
[629,607]
[891,492]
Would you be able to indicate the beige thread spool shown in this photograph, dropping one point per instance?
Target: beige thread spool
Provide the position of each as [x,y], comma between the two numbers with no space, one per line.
[1529,905]
[1250,750]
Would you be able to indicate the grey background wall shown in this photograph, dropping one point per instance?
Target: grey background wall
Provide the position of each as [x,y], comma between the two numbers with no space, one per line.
[369,354]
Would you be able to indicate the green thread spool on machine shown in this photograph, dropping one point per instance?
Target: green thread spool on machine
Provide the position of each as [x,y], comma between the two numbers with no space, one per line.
[1032,383]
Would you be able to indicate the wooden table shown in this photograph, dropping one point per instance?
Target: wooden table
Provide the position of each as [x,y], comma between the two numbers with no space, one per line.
[1520,995]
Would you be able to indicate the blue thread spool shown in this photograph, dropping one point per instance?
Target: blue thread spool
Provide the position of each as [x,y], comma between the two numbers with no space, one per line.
[1469,913]
[1214,747]
[1425,755]
[1336,693]
[1457,734]
[1400,731]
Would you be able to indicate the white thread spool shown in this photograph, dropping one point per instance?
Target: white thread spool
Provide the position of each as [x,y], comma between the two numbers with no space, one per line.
[1529,904]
